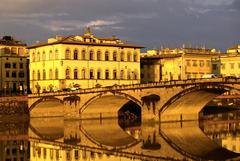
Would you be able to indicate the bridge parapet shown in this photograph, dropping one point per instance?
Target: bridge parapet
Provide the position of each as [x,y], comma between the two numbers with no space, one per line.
[161,84]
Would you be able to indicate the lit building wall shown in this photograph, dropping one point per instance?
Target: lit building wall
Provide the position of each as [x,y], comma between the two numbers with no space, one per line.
[230,65]
[83,61]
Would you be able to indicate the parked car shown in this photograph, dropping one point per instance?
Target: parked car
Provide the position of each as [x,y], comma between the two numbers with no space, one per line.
[209,76]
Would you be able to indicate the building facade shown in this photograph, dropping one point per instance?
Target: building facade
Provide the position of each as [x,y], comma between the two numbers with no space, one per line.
[83,61]
[180,63]
[14,66]
[230,65]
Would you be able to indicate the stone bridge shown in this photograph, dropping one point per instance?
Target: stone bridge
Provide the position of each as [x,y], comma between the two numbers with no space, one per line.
[164,101]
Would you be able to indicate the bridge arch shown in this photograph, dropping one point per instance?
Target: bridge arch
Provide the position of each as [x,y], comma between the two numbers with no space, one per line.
[187,104]
[111,103]
[47,106]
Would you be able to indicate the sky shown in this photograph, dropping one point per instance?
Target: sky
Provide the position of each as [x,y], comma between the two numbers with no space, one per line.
[150,23]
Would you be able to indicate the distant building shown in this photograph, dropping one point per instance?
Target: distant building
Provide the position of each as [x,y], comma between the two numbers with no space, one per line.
[233,50]
[179,63]
[83,61]
[230,64]
[14,66]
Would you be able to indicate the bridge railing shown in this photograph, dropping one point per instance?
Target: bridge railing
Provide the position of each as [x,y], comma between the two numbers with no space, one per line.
[141,86]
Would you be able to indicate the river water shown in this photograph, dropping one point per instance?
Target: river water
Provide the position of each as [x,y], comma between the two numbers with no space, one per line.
[217,137]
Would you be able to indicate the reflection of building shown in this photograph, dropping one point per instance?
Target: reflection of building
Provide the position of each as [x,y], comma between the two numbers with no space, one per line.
[83,61]
[232,143]
[14,65]
[180,63]
[14,150]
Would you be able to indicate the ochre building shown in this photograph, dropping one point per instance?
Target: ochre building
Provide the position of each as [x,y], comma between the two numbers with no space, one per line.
[13,66]
[180,63]
[83,61]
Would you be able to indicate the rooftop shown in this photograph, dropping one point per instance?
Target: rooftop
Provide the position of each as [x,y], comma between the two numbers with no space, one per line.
[10,41]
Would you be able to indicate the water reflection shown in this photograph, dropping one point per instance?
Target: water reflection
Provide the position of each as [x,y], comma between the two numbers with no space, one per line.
[45,139]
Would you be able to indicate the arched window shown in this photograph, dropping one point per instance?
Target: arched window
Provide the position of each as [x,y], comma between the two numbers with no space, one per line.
[56,73]
[43,55]
[83,54]
[75,54]
[67,73]
[50,74]
[107,74]
[38,75]
[14,50]
[44,74]
[134,75]
[114,56]
[122,56]
[50,55]
[122,74]
[91,74]
[114,74]
[106,56]
[91,54]
[33,75]
[75,73]
[98,55]
[38,56]
[128,75]
[67,54]
[128,56]
[99,74]
[33,57]
[56,54]
[83,73]
[135,57]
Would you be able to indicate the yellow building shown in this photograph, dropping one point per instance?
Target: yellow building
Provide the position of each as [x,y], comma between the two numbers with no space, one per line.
[230,65]
[83,61]
[233,50]
[14,66]
[180,63]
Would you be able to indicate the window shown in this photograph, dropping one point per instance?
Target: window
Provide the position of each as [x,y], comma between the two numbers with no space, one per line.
[114,56]
[14,65]
[21,74]
[38,75]
[128,75]
[67,54]
[91,74]
[56,73]
[83,54]
[50,55]
[135,58]
[107,74]
[106,55]
[201,63]
[122,56]
[122,74]
[75,54]
[21,65]
[99,74]
[76,154]
[98,55]
[135,77]
[38,56]
[56,54]
[238,65]
[194,63]
[232,65]
[44,56]
[33,57]
[50,74]
[129,56]
[7,65]
[75,73]
[115,74]
[14,74]
[33,75]
[91,55]
[67,73]
[83,74]
[44,74]
[188,63]
[7,74]
[208,63]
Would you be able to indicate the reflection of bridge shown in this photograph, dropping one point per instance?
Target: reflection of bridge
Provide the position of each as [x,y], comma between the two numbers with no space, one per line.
[167,101]
[178,141]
